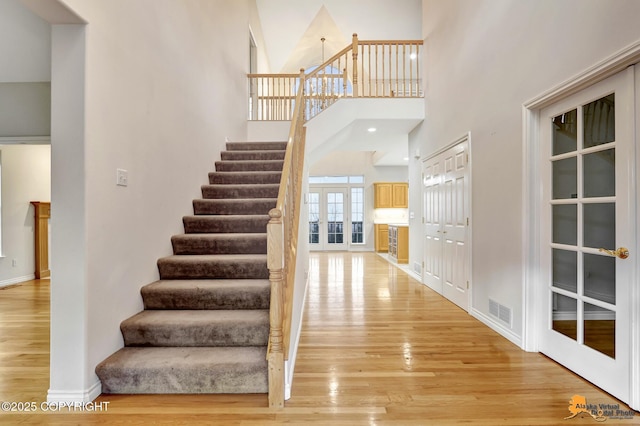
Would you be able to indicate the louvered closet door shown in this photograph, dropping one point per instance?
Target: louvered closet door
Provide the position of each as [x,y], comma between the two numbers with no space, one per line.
[586,232]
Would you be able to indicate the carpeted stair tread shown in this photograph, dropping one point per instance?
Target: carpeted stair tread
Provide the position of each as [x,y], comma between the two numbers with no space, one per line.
[249,165]
[207,223]
[231,206]
[207,294]
[252,155]
[197,328]
[245,177]
[213,266]
[230,243]
[185,370]
[252,146]
[242,191]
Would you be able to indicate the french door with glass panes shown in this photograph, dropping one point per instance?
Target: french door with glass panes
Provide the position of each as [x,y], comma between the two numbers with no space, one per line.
[587,216]
[328,219]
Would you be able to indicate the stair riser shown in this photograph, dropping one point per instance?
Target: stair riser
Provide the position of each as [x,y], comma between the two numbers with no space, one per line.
[187,245]
[248,166]
[251,155]
[244,178]
[170,270]
[256,146]
[230,207]
[215,224]
[196,336]
[239,192]
[255,298]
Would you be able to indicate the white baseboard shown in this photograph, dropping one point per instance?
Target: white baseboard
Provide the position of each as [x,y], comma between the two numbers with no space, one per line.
[17,280]
[497,327]
[79,396]
[290,364]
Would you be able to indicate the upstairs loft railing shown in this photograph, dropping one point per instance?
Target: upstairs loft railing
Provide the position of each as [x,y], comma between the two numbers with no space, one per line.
[364,69]
[282,240]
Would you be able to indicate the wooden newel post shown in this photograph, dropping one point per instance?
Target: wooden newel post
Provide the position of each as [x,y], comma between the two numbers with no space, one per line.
[275,263]
[354,53]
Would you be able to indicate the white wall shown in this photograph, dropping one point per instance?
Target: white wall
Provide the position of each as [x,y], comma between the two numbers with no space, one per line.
[346,163]
[25,109]
[25,70]
[25,44]
[163,83]
[416,205]
[26,171]
[485,58]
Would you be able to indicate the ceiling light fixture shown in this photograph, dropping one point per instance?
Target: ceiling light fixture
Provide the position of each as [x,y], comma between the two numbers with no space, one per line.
[371,129]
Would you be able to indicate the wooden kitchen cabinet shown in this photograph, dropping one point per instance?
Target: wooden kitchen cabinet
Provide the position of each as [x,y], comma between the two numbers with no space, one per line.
[391,195]
[381,237]
[399,243]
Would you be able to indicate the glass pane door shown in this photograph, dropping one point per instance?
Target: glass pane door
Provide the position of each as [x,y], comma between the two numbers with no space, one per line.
[586,223]
[583,220]
[328,219]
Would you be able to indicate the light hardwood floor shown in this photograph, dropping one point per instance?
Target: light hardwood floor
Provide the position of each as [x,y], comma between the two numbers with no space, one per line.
[377,348]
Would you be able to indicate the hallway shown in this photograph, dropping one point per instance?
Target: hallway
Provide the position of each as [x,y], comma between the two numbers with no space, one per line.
[377,347]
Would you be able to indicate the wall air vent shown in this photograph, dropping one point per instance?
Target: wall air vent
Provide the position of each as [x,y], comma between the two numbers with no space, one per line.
[500,312]
[417,268]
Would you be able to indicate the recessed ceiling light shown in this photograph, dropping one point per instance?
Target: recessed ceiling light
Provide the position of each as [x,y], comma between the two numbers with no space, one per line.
[406,158]
[371,129]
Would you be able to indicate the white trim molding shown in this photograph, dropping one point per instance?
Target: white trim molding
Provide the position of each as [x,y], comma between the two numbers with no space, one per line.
[79,396]
[17,280]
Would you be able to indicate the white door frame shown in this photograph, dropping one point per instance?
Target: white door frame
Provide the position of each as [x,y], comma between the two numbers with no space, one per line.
[532,203]
[466,138]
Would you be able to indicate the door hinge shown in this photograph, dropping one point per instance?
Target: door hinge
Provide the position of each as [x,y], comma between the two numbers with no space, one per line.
[467,285]
[467,221]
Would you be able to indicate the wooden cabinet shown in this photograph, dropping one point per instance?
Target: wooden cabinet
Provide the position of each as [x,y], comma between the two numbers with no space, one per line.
[391,195]
[42,215]
[381,237]
[399,243]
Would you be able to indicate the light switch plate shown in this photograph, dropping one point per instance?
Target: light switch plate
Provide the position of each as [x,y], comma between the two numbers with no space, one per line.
[122,177]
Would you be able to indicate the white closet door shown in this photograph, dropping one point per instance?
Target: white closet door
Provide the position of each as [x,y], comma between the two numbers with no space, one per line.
[446,223]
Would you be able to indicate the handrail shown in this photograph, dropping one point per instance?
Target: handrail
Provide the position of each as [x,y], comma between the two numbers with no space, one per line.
[365,69]
[282,240]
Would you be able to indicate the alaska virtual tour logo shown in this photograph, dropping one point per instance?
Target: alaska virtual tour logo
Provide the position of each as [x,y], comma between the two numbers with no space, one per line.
[599,412]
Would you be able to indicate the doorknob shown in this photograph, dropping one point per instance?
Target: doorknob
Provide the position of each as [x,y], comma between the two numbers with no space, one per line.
[622,252]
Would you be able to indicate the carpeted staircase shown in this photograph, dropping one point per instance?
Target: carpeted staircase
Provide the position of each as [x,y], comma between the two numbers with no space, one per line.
[205,324]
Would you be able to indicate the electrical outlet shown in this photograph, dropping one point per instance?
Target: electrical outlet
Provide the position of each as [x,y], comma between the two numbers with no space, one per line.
[14,263]
[122,177]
